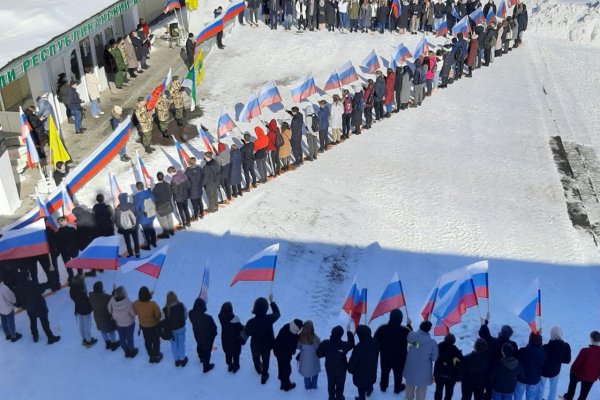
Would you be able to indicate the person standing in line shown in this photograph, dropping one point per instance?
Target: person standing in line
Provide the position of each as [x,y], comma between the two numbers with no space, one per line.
[127,224]
[120,63]
[133,65]
[144,118]
[532,357]
[335,351]
[223,158]
[363,362]
[284,348]
[275,143]
[260,153]
[504,375]
[390,81]
[8,301]
[369,100]
[121,310]
[430,63]
[380,89]
[176,92]
[418,370]
[475,370]
[195,176]
[418,83]
[347,114]
[162,113]
[247,152]
[358,106]
[392,340]
[149,316]
[235,170]
[163,198]
[66,244]
[145,213]
[231,337]
[176,315]
[116,117]
[104,217]
[83,310]
[309,364]
[104,322]
[285,150]
[335,119]
[260,330]
[446,368]
[205,331]
[180,187]
[558,352]
[312,131]
[323,125]
[585,369]
[211,181]
[141,51]
[297,127]
[92,84]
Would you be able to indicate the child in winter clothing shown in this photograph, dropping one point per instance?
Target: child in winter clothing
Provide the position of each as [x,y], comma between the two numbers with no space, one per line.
[446,368]
[585,369]
[363,362]
[309,364]
[260,330]
[149,316]
[205,331]
[335,351]
[231,336]
[558,352]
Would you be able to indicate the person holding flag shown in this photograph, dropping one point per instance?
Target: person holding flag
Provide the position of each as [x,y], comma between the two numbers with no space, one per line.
[335,351]
[260,331]
[162,112]
[422,353]
[393,344]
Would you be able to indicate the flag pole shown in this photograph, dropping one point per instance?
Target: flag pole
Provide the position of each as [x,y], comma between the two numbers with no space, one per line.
[155,283]
[406,311]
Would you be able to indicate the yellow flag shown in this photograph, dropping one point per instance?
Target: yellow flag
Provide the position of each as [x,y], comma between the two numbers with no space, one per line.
[57,149]
[199,65]
[191,4]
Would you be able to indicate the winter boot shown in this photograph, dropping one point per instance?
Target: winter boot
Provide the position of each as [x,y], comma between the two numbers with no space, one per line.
[208,367]
[125,158]
[184,362]
[17,337]
[53,339]
[114,346]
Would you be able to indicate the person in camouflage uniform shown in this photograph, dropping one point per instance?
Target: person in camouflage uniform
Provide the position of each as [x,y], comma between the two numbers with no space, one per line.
[121,46]
[144,118]
[120,62]
[177,97]
[162,112]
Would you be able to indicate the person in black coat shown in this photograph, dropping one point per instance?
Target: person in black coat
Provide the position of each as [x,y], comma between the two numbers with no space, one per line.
[83,310]
[190,49]
[205,331]
[86,227]
[247,151]
[335,351]
[358,105]
[284,348]
[195,175]
[475,369]
[296,126]
[363,362]
[163,199]
[450,19]
[391,338]
[260,329]
[488,5]
[66,242]
[446,368]
[29,297]
[231,336]
[379,95]
[558,352]
[211,181]
[104,217]
[506,371]
[532,357]
[398,87]
[180,187]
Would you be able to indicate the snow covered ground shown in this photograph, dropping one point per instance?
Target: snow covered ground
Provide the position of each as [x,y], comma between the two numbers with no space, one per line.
[467,176]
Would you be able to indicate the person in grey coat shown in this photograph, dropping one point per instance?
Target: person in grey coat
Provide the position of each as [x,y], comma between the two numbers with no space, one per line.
[235,171]
[309,364]
[312,138]
[379,95]
[418,83]
[195,176]
[106,325]
[224,160]
[211,181]
[418,370]
[127,225]
[406,86]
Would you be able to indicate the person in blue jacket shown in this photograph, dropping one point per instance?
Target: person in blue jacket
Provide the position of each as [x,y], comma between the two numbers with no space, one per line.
[532,357]
[145,214]
[323,125]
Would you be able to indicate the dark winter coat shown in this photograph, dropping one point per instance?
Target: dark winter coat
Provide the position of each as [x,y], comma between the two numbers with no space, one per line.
[398,80]
[472,54]
[235,173]
[231,333]
[379,88]
[260,327]
[403,18]
[247,151]
[205,329]
[175,315]
[419,74]
[296,127]
[180,186]
[139,46]
[324,118]
[29,297]
[99,302]
[190,50]
[124,206]
[520,13]
[163,198]
[73,100]
[335,350]
[586,366]
[211,175]
[495,344]
[195,175]
[391,338]
[558,352]
[330,12]
[439,10]
[110,66]
[86,227]
[532,358]
[490,38]
[363,361]
[475,368]
[461,9]
[447,366]
[505,373]
[81,300]
[65,241]
[286,342]
[357,108]
[104,217]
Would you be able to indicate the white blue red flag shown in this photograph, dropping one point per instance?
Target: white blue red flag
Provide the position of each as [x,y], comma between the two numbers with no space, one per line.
[143,171]
[224,124]
[32,154]
[67,205]
[530,305]
[28,241]
[371,62]
[304,89]
[477,16]
[206,141]
[234,10]
[333,82]
[152,98]
[501,11]
[269,94]
[391,299]
[442,28]
[151,265]
[102,253]
[427,309]
[347,73]
[115,189]
[490,17]
[462,26]
[171,5]
[183,155]
[421,49]
[261,267]
[479,275]
[205,285]
[251,109]
[44,213]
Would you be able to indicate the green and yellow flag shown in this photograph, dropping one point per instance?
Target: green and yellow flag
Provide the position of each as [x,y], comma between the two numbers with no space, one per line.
[57,149]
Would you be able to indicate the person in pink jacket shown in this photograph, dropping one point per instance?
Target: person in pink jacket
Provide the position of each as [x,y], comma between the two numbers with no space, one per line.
[390,80]
[430,63]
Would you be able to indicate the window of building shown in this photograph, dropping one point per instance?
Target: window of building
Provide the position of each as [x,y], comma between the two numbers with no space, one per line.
[17,93]
[109,34]
[75,68]
[99,47]
[86,53]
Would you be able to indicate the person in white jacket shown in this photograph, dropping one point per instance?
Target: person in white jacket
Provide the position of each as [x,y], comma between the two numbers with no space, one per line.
[121,310]
[335,118]
[7,313]
[92,83]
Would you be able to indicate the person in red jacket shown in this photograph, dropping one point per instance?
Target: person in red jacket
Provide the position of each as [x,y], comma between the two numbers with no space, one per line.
[272,148]
[260,153]
[585,369]
[390,80]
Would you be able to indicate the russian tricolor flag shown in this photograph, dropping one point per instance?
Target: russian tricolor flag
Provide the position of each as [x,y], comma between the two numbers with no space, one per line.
[442,29]
[234,10]
[355,304]
[440,329]
[530,305]
[333,82]
[206,142]
[115,189]
[102,253]
[28,241]
[251,109]
[44,213]
[462,26]
[204,285]
[261,267]
[462,278]
[427,309]
[144,171]
[151,265]
[491,17]
[32,155]
[152,98]
[210,30]
[477,16]
[479,276]
[347,74]
[421,49]
[171,5]
[224,124]
[391,299]
[501,12]
[269,94]
[371,62]
[511,3]
[396,8]
[401,53]
[452,304]
[304,89]
[454,12]
[183,155]
[67,205]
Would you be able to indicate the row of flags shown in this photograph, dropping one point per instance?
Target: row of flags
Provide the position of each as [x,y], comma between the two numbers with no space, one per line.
[58,152]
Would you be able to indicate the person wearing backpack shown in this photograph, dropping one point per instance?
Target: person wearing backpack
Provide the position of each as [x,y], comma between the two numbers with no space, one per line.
[446,368]
[145,213]
[312,131]
[127,224]
[275,142]
[323,126]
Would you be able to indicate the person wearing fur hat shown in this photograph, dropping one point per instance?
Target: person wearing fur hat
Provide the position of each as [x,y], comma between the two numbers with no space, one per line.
[585,369]
[558,352]
[335,351]
[231,336]
[392,340]
[116,117]
[260,330]
[418,369]
[475,369]
[363,362]
[284,349]
[205,331]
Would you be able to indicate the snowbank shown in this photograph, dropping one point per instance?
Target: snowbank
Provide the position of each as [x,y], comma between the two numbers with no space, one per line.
[573,21]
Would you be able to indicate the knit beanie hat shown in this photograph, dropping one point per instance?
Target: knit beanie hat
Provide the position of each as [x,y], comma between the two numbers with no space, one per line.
[295,326]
